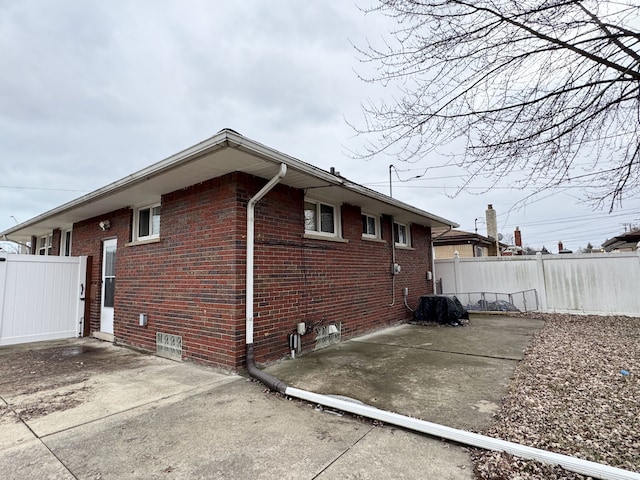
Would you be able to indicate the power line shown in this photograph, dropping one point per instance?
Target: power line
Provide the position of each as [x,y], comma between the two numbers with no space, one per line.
[41,188]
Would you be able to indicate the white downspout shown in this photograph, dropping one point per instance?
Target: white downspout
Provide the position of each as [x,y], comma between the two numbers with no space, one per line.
[251,220]
[270,381]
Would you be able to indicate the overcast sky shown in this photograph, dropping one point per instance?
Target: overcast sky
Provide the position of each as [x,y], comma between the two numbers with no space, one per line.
[91,91]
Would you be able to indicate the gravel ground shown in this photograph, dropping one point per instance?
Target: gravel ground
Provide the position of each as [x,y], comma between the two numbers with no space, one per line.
[576,392]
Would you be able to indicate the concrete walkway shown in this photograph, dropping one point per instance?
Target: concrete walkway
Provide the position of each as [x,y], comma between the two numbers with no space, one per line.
[84,409]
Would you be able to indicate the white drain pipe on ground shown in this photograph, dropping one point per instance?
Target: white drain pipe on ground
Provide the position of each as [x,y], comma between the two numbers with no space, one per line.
[584,467]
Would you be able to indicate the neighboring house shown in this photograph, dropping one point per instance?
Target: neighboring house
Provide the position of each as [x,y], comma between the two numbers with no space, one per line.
[627,242]
[467,244]
[168,248]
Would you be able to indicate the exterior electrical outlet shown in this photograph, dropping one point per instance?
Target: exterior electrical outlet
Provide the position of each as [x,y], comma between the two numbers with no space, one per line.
[395,269]
[143,320]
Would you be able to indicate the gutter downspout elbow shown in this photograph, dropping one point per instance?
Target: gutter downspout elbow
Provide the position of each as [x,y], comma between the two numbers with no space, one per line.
[271,382]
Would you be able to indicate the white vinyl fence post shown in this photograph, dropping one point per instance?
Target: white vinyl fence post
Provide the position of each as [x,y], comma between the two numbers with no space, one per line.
[541,283]
[456,273]
[3,279]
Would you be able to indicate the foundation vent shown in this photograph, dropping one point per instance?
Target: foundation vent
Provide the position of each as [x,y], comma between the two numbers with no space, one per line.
[169,346]
[328,335]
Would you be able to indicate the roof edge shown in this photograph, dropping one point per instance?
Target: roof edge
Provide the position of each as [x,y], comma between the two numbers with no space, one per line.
[226,138]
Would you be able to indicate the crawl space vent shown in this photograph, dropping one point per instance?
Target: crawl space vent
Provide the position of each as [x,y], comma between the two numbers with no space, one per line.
[169,346]
[328,335]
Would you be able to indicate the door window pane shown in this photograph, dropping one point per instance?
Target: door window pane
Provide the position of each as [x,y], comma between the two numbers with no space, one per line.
[109,290]
[110,262]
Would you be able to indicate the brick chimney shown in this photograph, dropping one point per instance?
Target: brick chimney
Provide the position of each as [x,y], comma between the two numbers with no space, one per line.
[492,222]
[560,247]
[517,237]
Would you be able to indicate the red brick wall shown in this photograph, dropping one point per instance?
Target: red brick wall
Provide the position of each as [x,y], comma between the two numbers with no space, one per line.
[192,282]
[321,281]
[186,283]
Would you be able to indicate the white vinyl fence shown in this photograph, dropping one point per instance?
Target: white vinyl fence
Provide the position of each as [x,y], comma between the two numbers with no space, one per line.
[602,283]
[41,297]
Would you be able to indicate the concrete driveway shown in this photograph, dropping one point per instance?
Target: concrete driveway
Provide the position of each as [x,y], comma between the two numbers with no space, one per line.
[84,409]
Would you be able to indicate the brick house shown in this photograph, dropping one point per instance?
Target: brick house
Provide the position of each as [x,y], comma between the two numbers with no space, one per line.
[168,252]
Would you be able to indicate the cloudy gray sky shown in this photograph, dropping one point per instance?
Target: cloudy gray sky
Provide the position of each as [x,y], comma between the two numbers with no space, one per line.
[91,91]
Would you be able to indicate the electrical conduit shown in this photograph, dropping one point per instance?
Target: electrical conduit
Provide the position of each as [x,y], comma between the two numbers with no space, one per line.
[573,464]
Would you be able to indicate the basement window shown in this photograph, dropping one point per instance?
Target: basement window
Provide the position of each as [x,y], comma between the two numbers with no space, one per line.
[146,222]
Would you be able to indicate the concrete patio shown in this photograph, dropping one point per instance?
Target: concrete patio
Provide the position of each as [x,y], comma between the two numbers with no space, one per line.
[90,410]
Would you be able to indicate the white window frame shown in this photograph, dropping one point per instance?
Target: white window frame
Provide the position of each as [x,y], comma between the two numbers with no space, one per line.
[376,220]
[136,223]
[336,218]
[45,248]
[406,242]
[65,247]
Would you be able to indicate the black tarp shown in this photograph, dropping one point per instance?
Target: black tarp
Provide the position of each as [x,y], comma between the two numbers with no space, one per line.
[443,309]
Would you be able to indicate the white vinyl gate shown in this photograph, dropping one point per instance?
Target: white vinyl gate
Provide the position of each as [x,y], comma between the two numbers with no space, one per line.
[41,297]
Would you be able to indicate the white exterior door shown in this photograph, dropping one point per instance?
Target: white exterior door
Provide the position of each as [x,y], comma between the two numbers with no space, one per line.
[108,285]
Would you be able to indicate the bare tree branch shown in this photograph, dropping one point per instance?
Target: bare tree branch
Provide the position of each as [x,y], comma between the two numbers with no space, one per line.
[529,85]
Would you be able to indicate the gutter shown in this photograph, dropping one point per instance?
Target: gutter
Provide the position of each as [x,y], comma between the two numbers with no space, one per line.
[224,139]
[192,153]
[271,155]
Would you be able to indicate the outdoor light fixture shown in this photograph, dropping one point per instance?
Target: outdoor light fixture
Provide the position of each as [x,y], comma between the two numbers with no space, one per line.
[104,225]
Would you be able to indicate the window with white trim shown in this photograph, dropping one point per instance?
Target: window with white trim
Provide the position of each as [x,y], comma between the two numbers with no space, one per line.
[321,218]
[401,234]
[370,226]
[45,244]
[146,222]
[65,243]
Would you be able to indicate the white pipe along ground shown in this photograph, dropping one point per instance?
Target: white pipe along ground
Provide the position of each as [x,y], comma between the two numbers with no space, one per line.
[584,467]
[577,465]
